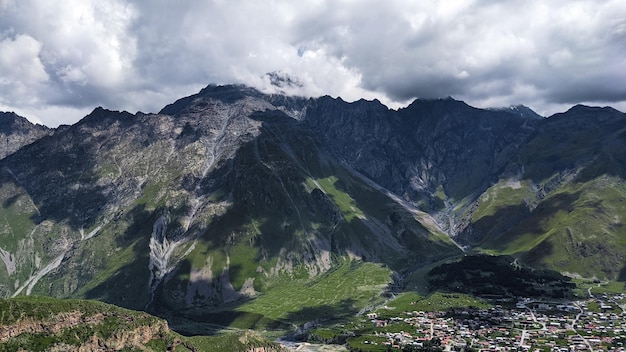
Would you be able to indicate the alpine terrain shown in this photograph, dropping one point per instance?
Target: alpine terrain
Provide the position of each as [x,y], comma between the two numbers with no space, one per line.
[234,208]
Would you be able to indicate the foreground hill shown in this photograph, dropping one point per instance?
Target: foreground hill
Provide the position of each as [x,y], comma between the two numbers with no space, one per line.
[47,324]
[235,208]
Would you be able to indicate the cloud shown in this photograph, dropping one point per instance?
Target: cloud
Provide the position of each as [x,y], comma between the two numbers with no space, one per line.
[81,53]
[66,57]
[20,69]
[569,52]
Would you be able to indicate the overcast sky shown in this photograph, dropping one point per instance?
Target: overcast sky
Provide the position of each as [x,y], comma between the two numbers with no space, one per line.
[60,59]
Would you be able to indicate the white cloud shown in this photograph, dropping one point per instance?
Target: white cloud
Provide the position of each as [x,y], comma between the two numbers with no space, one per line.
[21,70]
[139,55]
[84,50]
[70,74]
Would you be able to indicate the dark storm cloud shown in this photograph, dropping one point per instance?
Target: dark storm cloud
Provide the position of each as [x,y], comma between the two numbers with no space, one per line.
[59,59]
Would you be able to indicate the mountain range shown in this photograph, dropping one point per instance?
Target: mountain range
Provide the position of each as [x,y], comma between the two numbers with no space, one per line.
[238,208]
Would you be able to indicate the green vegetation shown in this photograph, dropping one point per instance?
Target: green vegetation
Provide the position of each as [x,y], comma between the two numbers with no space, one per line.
[17,214]
[610,287]
[597,287]
[40,307]
[345,203]
[576,229]
[338,293]
[257,203]
[41,323]
[504,194]
[360,334]
[437,301]
[121,257]
[233,341]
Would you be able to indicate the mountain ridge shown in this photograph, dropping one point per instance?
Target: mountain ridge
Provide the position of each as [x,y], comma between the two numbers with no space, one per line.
[222,197]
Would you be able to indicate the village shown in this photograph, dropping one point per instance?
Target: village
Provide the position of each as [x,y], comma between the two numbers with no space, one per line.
[596,324]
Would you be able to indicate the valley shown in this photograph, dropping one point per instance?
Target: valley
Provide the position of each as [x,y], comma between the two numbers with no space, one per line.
[233,210]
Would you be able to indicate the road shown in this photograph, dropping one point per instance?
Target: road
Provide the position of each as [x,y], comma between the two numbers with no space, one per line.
[310,347]
[573,328]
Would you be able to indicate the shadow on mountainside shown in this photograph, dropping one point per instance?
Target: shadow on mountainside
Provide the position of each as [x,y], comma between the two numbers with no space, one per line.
[591,137]
[554,235]
[508,224]
[622,275]
[499,275]
[325,312]
[59,173]
[63,187]
[489,230]
[127,285]
[430,144]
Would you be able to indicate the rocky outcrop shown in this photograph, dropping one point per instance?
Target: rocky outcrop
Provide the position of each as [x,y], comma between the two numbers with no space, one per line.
[53,324]
[47,324]
[133,333]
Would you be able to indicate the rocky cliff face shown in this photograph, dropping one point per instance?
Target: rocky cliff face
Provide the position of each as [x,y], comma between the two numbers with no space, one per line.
[436,154]
[16,132]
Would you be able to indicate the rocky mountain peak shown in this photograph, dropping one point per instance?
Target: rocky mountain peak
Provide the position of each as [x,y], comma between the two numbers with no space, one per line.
[102,115]
[584,109]
[11,122]
[582,116]
[283,80]
[235,94]
[521,111]
[438,103]
[16,132]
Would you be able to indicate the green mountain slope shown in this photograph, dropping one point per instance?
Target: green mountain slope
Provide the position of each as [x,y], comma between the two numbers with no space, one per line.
[565,209]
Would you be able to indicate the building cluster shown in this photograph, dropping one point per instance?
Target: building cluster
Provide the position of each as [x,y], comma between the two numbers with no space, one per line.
[598,324]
